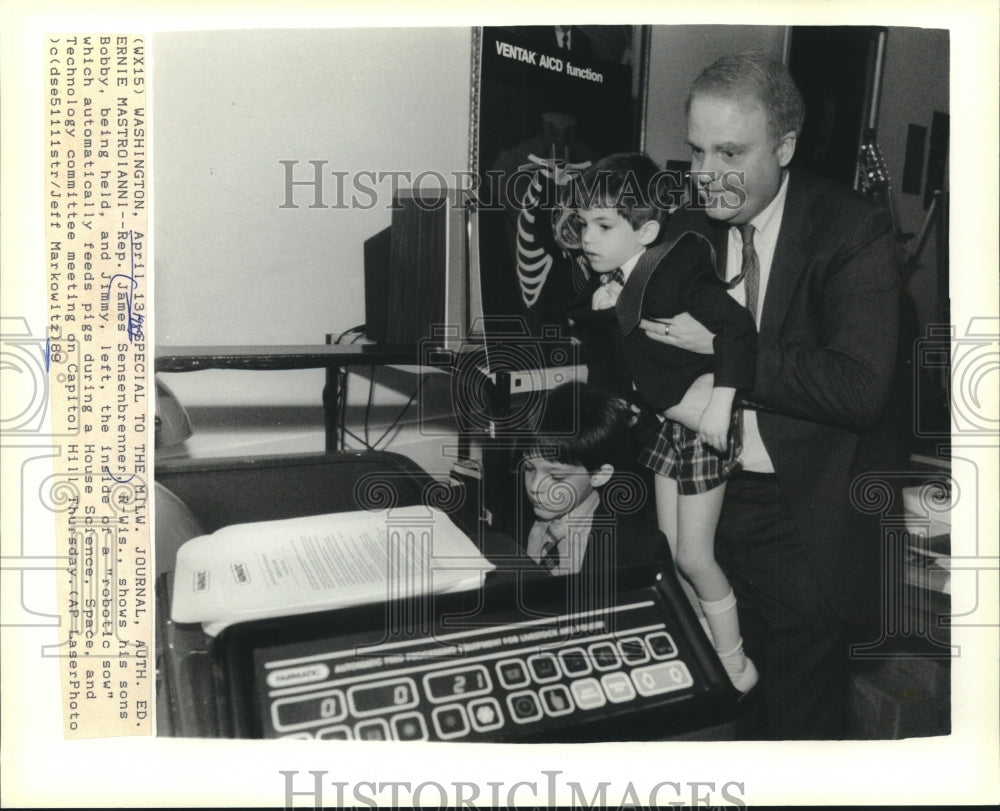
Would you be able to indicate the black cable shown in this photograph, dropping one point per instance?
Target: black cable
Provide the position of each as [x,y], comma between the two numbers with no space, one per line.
[399,416]
[368,407]
[357,337]
[360,328]
[341,405]
[355,436]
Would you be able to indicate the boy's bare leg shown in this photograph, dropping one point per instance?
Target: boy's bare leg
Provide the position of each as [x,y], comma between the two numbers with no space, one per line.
[697,518]
[665,492]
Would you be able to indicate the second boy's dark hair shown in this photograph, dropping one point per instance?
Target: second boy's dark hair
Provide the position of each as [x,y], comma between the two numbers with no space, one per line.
[581,425]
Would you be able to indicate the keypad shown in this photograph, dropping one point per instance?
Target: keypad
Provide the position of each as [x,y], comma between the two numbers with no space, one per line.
[374,730]
[575,662]
[513,673]
[588,694]
[337,733]
[544,667]
[617,687]
[524,706]
[661,645]
[633,650]
[556,700]
[369,699]
[409,727]
[485,714]
[464,681]
[451,721]
[662,678]
[498,683]
[302,711]
[605,656]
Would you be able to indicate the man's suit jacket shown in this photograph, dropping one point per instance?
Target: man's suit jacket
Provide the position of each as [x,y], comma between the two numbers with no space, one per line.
[825,360]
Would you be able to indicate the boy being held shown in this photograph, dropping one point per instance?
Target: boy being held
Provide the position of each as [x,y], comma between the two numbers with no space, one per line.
[618,225]
[569,461]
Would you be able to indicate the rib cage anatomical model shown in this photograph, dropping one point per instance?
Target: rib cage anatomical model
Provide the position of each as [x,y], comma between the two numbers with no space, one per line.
[534,258]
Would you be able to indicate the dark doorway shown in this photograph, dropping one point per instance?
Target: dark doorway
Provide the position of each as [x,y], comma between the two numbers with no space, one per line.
[838,70]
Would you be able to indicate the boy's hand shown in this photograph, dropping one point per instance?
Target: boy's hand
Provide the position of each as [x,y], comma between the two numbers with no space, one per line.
[689,410]
[713,427]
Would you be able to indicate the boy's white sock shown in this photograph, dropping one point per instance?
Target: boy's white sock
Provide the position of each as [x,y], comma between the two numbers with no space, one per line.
[739,667]
[720,615]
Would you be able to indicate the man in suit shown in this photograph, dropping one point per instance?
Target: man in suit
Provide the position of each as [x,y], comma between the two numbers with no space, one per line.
[816,262]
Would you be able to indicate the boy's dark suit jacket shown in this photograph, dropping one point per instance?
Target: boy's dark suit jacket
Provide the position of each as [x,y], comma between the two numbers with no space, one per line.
[632,542]
[825,359]
[683,280]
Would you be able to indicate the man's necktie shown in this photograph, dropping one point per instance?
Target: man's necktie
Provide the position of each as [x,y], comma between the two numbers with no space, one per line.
[750,271]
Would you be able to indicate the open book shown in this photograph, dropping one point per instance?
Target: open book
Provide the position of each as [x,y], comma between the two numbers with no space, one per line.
[300,565]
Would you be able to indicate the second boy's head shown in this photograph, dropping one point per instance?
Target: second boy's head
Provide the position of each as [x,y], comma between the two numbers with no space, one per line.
[575,449]
[615,204]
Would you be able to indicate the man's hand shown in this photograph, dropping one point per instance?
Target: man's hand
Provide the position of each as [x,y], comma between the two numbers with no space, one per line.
[682,331]
[689,410]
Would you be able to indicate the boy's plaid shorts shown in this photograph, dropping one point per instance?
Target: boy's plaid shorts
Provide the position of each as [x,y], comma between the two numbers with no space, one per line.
[676,452]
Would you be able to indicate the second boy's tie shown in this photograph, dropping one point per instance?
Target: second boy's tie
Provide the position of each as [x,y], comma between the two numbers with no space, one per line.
[549,557]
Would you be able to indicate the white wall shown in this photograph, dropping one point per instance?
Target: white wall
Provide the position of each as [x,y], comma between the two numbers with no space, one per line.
[232,266]
[678,53]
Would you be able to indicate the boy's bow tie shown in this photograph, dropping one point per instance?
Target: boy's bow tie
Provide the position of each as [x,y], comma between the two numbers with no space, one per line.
[606,295]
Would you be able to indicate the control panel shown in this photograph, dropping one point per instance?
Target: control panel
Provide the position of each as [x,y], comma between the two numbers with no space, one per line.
[520,665]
